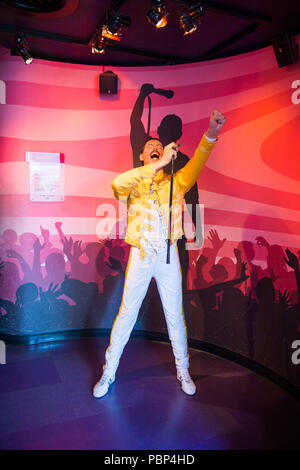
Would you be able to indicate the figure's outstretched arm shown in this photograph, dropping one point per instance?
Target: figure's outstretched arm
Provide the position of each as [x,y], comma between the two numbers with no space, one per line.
[188,175]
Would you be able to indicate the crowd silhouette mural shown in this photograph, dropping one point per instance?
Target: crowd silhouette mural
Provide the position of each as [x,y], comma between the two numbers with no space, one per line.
[239,306]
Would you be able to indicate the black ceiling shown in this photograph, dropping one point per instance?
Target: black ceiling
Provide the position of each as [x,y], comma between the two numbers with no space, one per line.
[228,27]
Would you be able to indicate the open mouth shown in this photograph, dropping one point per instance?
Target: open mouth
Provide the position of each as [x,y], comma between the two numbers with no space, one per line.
[154,155]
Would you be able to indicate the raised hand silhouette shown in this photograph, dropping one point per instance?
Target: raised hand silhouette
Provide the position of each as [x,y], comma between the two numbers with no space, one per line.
[215,240]
[284,299]
[262,242]
[291,260]
[77,250]
[51,294]
[45,234]
[67,246]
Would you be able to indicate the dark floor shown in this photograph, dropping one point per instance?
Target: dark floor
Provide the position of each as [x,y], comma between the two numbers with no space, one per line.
[46,401]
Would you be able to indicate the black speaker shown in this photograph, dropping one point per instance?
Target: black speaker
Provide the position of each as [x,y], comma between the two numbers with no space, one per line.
[108,83]
[286,49]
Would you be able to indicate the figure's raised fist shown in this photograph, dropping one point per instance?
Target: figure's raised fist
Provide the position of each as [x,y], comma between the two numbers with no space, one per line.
[216,122]
[146,89]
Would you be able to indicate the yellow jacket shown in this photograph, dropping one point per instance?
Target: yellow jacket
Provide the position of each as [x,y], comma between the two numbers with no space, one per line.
[135,187]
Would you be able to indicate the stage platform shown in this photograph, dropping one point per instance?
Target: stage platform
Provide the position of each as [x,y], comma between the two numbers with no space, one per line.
[47,403]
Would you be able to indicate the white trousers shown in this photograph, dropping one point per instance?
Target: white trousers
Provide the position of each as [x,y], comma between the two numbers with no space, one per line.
[139,273]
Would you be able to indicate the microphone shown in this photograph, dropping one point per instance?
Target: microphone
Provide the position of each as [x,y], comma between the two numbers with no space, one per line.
[175,148]
[167,93]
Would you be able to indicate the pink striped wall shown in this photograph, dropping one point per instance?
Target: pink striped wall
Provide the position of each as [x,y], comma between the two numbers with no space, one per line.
[249,187]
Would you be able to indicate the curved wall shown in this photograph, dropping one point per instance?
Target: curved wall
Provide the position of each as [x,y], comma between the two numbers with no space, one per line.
[56,274]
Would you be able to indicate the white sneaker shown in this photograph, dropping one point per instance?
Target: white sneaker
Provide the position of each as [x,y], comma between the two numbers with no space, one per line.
[102,386]
[187,384]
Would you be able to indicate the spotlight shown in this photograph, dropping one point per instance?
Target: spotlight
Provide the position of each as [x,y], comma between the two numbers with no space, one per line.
[112,28]
[98,44]
[116,22]
[186,24]
[22,49]
[110,32]
[188,21]
[107,34]
[157,15]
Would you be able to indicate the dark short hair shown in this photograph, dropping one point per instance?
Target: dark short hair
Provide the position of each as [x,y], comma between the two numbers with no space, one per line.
[147,140]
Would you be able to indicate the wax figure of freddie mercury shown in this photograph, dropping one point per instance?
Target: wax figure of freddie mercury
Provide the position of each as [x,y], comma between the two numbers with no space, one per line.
[146,190]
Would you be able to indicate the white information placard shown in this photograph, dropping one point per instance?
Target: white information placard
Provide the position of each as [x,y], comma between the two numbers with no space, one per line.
[47,177]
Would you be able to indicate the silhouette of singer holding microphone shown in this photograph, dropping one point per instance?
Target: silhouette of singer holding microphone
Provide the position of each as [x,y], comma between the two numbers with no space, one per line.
[169,130]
